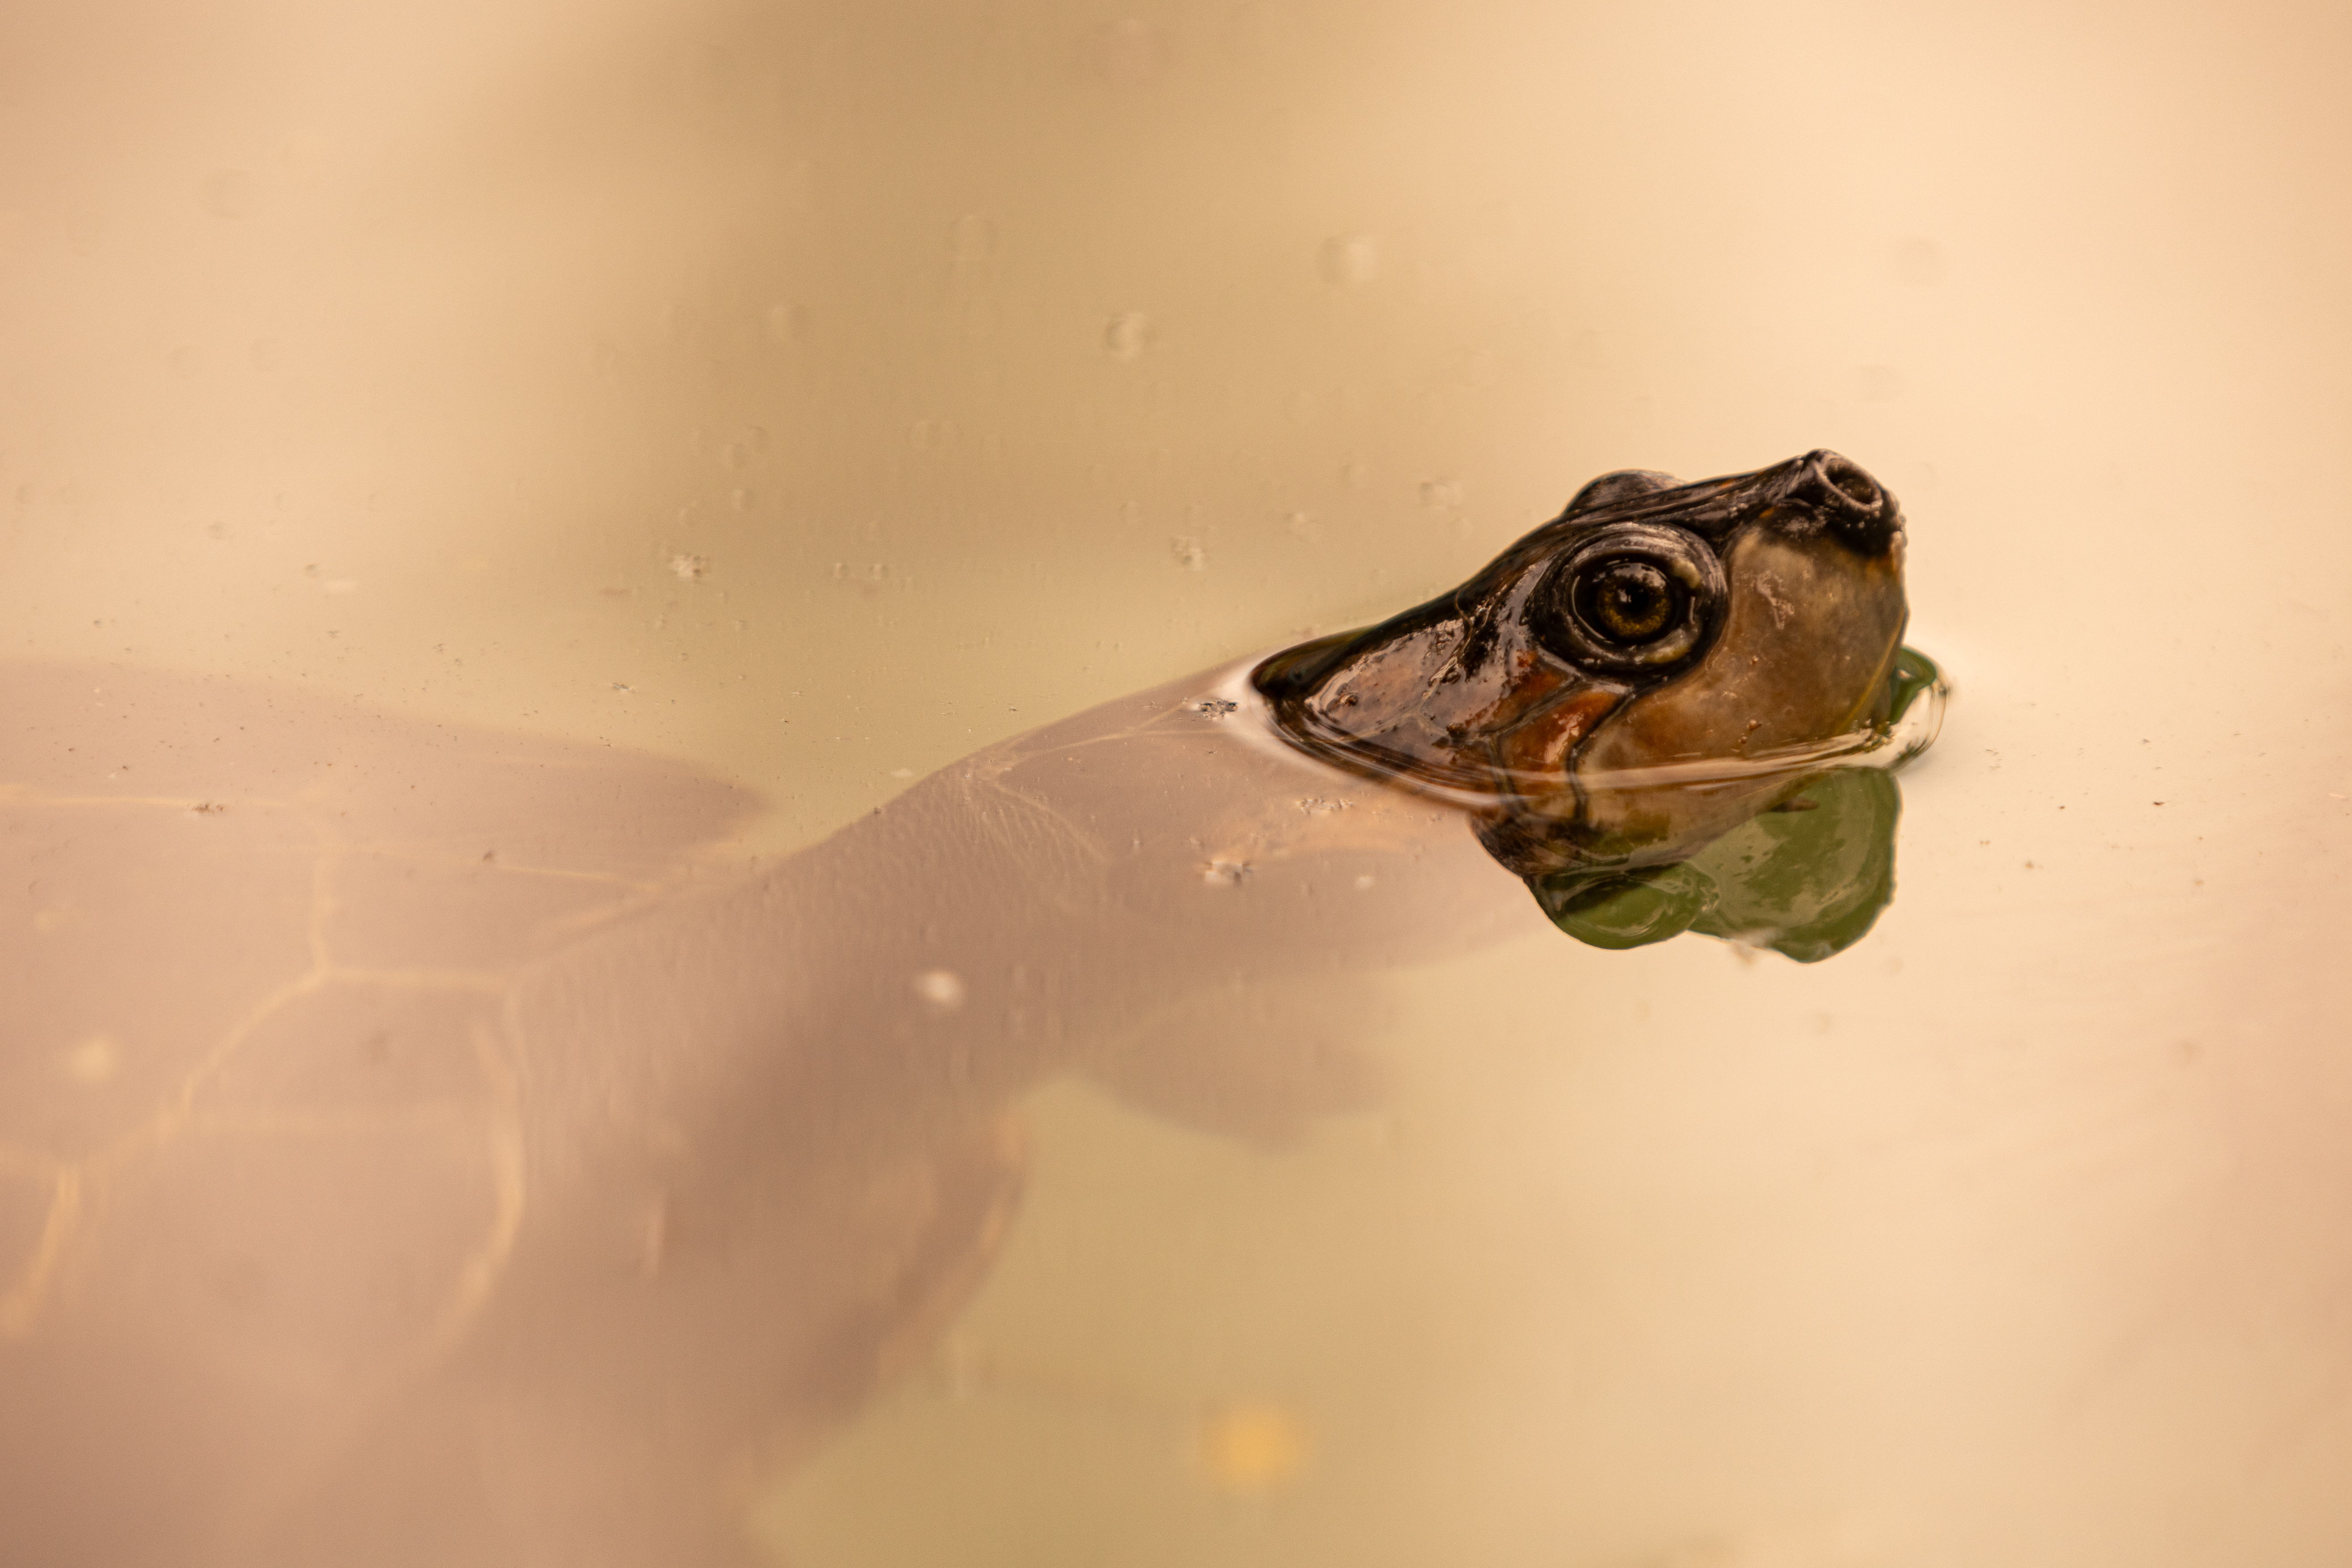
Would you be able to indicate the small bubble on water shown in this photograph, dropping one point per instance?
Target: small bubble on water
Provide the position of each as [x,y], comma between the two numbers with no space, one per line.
[1189,552]
[1350,258]
[1918,262]
[1878,383]
[227,192]
[688,568]
[1127,335]
[941,988]
[93,1061]
[85,232]
[304,152]
[1129,52]
[971,249]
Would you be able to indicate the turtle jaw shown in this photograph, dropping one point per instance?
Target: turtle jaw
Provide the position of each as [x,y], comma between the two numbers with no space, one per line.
[1811,632]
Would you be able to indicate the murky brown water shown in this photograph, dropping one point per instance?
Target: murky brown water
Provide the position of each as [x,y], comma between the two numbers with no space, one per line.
[819,396]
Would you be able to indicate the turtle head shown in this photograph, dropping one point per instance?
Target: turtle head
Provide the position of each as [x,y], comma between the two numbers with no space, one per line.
[1634,678]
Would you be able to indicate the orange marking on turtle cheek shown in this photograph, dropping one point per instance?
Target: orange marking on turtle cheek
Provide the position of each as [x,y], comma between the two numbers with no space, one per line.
[1542,744]
[1532,684]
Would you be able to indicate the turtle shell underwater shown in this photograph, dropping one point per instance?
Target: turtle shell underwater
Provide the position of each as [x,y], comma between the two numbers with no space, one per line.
[417,1147]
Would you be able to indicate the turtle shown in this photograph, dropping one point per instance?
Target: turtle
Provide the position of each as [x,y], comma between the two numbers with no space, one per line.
[420,1145]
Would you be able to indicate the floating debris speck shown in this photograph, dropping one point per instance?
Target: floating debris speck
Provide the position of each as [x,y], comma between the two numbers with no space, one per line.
[1129,335]
[1253,1447]
[942,988]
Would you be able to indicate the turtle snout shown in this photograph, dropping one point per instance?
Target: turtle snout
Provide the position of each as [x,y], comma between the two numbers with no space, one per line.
[1858,509]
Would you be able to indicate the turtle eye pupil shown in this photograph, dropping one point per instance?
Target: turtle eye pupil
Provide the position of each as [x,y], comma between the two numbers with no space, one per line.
[1628,602]
[1630,597]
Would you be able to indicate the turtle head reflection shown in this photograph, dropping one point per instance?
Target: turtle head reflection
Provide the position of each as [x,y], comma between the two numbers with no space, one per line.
[1806,877]
[1641,677]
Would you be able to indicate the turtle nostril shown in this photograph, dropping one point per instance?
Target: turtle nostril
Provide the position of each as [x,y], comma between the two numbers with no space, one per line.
[1841,493]
[1846,482]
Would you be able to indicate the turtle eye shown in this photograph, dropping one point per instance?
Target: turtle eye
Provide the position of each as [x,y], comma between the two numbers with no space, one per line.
[1636,598]
[1628,602]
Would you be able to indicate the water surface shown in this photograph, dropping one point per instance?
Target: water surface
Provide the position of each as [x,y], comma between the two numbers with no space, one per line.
[817,396]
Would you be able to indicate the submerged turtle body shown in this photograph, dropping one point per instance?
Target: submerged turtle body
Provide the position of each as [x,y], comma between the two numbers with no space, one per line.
[268,1152]
[418,1149]
[270,925]
[421,1146]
